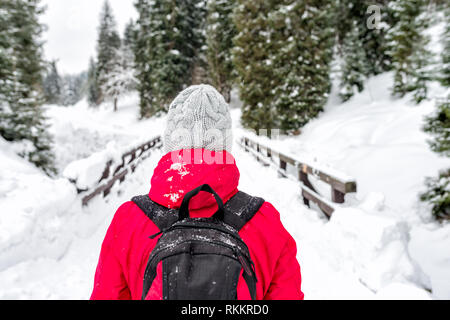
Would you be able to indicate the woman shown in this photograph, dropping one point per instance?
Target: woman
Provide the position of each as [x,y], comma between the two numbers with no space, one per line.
[198,143]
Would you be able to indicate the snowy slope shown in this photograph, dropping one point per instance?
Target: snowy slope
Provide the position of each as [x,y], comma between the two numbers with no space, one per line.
[49,244]
[376,139]
[80,131]
[379,141]
[379,247]
[33,210]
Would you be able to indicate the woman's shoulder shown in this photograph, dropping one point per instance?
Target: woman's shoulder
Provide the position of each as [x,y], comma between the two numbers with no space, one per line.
[268,222]
[127,215]
[124,211]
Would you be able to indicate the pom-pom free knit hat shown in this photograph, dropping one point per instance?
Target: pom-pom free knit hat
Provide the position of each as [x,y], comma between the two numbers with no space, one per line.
[199,118]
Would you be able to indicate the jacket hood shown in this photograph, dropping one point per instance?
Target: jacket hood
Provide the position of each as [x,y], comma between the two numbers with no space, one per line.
[179,172]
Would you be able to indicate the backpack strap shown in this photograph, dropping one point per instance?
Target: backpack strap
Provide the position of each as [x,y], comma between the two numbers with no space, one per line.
[240,209]
[250,280]
[161,216]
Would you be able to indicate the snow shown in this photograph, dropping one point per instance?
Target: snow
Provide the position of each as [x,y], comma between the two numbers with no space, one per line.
[80,131]
[380,244]
[49,243]
[34,208]
[180,168]
[383,236]
[375,246]
[299,159]
[429,246]
[407,292]
[376,139]
[86,173]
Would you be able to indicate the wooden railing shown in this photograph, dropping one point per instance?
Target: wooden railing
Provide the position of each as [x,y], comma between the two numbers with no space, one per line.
[130,161]
[340,183]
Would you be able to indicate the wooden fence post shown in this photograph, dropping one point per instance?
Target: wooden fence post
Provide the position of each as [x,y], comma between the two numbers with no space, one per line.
[283,166]
[303,177]
[258,150]
[337,196]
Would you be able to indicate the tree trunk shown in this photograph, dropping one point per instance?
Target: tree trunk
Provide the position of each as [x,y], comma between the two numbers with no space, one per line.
[227,94]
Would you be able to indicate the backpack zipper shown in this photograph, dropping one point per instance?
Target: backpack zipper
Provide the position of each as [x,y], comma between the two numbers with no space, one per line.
[244,264]
[236,252]
[202,227]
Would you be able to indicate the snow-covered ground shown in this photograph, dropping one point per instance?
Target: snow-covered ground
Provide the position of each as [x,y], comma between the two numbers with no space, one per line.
[380,245]
[49,243]
[80,131]
[379,141]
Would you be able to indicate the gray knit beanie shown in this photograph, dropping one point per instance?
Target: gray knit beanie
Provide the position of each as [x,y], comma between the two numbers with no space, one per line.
[199,117]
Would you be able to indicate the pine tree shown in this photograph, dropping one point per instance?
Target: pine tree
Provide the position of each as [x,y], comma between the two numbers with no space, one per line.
[375,37]
[372,32]
[445,79]
[6,66]
[438,189]
[93,88]
[304,62]
[200,73]
[22,115]
[121,77]
[52,85]
[74,87]
[108,44]
[128,56]
[421,72]
[438,195]
[438,125]
[283,54]
[355,64]
[220,31]
[408,49]
[169,39]
[129,35]
[251,56]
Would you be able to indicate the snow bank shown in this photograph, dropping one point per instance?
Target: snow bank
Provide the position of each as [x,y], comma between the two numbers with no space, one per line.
[379,141]
[407,292]
[374,247]
[80,131]
[49,243]
[376,139]
[58,259]
[86,173]
[33,209]
[430,247]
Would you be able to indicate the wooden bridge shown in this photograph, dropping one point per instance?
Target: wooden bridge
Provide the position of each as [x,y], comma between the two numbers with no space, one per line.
[111,175]
[303,170]
[340,184]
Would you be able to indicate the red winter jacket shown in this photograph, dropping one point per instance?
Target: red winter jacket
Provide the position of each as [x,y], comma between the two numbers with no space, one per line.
[127,246]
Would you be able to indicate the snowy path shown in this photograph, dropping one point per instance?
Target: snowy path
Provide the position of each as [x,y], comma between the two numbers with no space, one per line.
[49,244]
[321,280]
[70,276]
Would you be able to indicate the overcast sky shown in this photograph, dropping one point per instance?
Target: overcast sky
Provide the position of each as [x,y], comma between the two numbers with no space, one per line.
[72,29]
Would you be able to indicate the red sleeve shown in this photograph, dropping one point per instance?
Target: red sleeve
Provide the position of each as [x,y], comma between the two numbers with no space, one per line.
[110,282]
[286,282]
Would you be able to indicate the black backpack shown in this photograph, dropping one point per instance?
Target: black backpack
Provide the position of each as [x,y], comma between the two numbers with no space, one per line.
[202,258]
